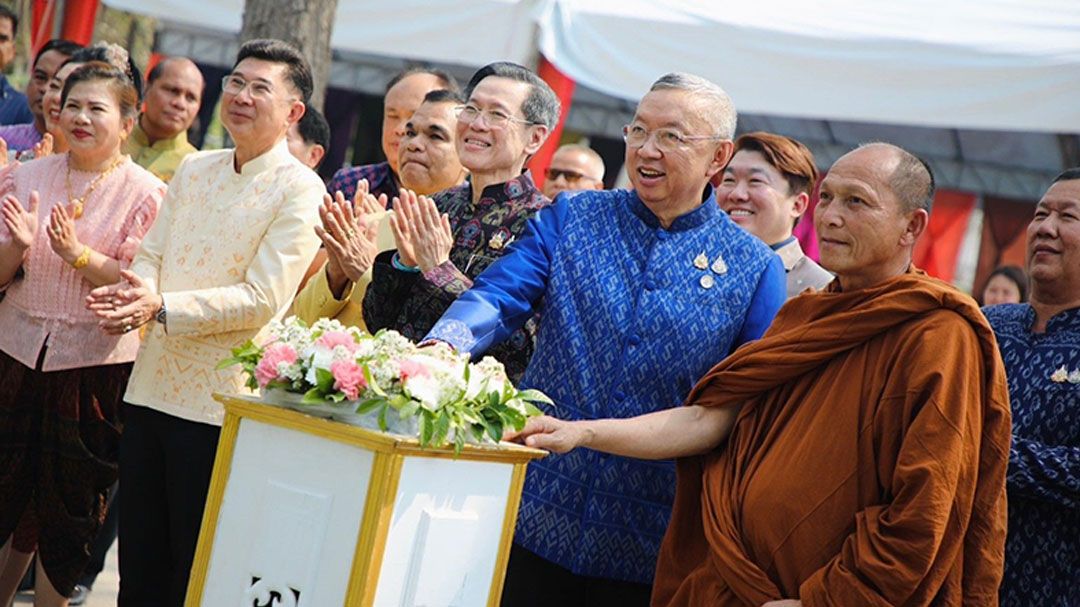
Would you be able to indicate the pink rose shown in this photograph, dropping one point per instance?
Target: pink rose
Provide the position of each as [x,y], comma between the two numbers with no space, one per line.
[411,368]
[267,369]
[332,339]
[348,377]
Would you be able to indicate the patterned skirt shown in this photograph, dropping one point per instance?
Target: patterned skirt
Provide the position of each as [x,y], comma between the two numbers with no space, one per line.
[59,442]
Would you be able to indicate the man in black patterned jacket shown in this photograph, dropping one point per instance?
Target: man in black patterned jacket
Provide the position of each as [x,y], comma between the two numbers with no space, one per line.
[442,244]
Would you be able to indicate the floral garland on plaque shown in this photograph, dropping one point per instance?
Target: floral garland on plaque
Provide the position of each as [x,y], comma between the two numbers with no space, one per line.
[385,382]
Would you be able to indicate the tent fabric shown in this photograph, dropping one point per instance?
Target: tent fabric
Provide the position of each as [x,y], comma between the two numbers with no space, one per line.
[996,65]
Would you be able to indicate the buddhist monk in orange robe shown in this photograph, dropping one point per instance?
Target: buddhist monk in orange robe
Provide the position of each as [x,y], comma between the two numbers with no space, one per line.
[867,433]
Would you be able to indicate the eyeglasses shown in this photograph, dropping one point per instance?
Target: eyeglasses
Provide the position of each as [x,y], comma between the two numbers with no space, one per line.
[667,140]
[569,176]
[493,118]
[233,85]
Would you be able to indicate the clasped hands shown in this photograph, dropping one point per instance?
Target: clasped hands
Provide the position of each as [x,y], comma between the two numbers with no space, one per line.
[124,306]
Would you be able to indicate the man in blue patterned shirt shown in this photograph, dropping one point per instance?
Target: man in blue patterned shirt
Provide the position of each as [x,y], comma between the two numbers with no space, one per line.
[404,93]
[641,292]
[1040,344]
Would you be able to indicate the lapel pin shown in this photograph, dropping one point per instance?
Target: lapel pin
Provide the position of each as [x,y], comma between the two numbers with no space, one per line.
[719,266]
[701,261]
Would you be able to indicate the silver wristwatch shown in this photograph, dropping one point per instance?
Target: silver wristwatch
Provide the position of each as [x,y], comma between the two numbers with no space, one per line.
[160,316]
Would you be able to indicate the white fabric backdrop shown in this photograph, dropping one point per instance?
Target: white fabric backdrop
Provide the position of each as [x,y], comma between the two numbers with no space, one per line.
[982,64]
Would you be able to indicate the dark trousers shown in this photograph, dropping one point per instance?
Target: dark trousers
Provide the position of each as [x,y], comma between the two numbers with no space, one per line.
[165,466]
[105,538]
[535,582]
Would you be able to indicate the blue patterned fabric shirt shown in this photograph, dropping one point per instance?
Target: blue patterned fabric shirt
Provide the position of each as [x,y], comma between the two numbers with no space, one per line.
[1042,553]
[379,176]
[14,108]
[632,315]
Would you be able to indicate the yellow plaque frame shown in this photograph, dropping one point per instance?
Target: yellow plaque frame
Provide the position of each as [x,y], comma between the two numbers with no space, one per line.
[390,453]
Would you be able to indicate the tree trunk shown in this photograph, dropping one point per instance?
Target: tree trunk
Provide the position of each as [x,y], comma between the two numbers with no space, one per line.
[306,24]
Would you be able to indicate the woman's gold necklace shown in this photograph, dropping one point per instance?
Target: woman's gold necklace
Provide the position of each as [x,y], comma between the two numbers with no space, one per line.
[77,204]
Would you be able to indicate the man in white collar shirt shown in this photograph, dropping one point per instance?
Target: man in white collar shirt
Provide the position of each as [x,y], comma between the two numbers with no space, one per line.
[223,259]
[766,188]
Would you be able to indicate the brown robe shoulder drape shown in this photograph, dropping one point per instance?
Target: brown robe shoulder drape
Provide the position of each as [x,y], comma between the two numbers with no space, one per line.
[866,467]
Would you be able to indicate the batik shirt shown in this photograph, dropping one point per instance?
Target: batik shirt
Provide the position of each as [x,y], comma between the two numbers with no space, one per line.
[411,302]
[1042,552]
[633,315]
[14,108]
[380,178]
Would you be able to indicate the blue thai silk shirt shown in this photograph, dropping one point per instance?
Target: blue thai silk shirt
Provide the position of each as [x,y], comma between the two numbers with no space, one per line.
[380,178]
[632,315]
[1042,552]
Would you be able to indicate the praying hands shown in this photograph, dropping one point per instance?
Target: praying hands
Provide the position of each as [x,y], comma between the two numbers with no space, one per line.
[349,236]
[423,235]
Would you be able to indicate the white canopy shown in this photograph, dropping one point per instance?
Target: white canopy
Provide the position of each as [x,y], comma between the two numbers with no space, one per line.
[990,64]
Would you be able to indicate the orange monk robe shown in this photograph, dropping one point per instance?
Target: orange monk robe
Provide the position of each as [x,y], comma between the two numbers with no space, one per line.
[867,466]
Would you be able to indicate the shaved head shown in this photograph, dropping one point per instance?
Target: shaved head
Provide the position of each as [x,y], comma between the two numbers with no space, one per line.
[911,180]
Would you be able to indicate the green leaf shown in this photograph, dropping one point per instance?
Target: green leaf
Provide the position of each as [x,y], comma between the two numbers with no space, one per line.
[459,443]
[442,428]
[336,397]
[513,419]
[426,428]
[532,410]
[535,396]
[382,416]
[494,428]
[228,362]
[312,397]
[370,379]
[324,380]
[370,404]
[408,409]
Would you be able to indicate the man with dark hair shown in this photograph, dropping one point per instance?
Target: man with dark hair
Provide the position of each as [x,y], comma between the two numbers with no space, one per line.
[1040,342]
[507,117]
[429,164]
[765,189]
[310,138]
[159,141]
[22,137]
[404,93]
[14,108]
[223,258]
[856,454]
[641,291]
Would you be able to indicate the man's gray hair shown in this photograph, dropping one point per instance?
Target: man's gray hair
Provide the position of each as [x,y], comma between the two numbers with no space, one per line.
[719,111]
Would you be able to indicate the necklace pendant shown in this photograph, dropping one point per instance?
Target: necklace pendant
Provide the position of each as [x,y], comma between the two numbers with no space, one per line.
[76,208]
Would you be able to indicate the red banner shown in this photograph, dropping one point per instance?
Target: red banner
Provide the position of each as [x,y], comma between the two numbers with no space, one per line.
[563,86]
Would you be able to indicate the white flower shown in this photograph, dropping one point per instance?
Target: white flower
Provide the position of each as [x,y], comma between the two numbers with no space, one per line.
[1074,377]
[1060,376]
[426,390]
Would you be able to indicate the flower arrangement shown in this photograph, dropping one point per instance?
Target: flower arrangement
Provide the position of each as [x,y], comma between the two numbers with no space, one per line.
[385,381]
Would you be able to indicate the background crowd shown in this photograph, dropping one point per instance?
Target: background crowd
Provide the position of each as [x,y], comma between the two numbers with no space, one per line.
[846,437]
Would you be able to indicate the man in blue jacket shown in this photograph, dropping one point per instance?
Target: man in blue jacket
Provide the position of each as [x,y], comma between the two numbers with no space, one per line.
[640,293]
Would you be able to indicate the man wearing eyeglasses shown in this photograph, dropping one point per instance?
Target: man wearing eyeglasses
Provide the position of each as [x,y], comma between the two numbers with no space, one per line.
[229,246]
[642,292]
[573,167]
[445,242]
